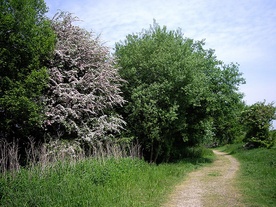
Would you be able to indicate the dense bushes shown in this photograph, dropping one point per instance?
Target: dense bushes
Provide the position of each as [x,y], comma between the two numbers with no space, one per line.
[178,94]
[26,44]
[257,121]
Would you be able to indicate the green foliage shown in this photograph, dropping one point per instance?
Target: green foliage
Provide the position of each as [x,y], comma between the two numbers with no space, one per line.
[26,42]
[257,120]
[178,94]
[227,104]
[111,182]
[257,175]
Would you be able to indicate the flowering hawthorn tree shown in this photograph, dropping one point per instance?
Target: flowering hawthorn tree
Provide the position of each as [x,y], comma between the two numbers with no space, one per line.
[84,85]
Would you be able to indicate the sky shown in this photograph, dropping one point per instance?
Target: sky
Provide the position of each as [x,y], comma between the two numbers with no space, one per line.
[240,31]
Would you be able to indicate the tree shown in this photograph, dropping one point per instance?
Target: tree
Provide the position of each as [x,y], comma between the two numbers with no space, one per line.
[227,104]
[26,42]
[257,120]
[84,85]
[174,89]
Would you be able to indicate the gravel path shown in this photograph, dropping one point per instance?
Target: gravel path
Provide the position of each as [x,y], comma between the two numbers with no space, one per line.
[211,186]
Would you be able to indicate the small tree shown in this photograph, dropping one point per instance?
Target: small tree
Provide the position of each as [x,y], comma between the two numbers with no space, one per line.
[257,120]
[84,85]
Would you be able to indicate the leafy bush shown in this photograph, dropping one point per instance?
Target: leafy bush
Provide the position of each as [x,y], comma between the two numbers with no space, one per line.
[257,120]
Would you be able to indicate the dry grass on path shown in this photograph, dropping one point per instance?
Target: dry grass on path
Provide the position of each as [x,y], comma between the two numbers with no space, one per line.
[209,186]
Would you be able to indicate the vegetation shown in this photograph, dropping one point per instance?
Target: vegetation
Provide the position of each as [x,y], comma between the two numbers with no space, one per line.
[257,119]
[64,98]
[98,181]
[84,85]
[178,94]
[257,176]
[26,44]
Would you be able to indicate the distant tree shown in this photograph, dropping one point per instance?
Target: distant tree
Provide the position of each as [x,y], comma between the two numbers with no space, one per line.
[226,105]
[175,91]
[26,42]
[84,85]
[257,120]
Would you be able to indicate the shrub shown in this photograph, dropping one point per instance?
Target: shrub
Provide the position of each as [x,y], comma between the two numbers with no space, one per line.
[84,85]
[257,119]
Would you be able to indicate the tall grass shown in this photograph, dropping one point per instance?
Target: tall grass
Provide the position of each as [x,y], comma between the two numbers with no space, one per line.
[257,176]
[9,157]
[114,182]
[115,177]
[45,154]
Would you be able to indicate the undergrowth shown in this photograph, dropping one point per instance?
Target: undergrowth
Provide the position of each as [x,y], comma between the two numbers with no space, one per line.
[94,182]
[257,176]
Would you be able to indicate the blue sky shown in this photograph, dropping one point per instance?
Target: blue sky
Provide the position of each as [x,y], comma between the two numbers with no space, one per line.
[240,31]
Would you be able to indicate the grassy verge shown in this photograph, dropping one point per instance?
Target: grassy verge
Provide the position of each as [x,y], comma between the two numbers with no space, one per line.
[257,177]
[92,182]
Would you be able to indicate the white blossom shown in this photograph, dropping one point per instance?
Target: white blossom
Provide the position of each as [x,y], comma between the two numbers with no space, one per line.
[84,84]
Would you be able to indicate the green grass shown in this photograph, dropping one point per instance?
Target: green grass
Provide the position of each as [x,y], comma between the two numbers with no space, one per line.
[257,177]
[110,182]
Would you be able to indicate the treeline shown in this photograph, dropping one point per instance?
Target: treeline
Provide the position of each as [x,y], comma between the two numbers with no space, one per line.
[166,92]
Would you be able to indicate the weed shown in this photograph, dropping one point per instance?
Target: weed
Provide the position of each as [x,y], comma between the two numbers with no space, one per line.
[215,174]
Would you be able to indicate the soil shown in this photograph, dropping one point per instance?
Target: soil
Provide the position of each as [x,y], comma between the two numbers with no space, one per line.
[211,186]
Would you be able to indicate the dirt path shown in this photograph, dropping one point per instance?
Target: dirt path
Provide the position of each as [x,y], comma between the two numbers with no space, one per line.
[211,186]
